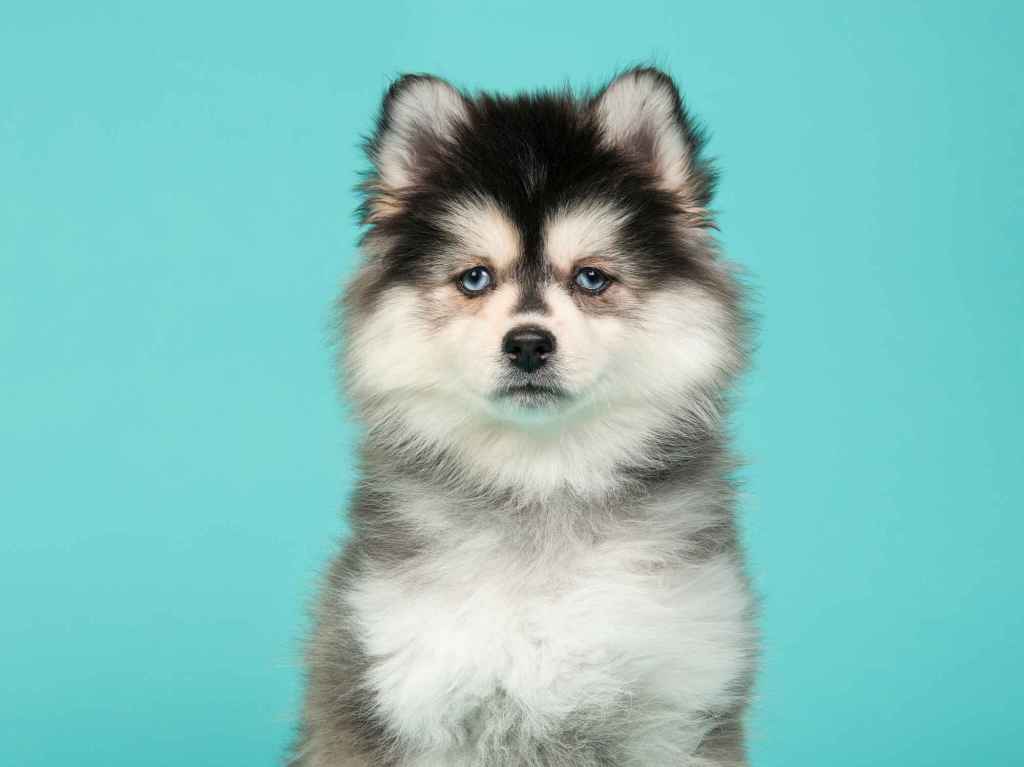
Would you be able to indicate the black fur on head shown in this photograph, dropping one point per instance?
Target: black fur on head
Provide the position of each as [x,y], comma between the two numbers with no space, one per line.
[632,143]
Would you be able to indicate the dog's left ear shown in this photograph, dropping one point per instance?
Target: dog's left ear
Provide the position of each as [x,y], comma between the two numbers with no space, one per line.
[641,114]
[420,117]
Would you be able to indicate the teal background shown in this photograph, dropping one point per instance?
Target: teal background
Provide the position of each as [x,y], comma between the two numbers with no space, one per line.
[176,214]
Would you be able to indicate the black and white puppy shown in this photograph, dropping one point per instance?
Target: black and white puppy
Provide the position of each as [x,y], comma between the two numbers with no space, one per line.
[543,569]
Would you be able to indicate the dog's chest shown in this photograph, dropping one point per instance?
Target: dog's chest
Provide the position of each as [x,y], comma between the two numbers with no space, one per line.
[587,630]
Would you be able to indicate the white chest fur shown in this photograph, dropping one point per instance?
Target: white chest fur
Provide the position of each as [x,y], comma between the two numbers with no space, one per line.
[599,627]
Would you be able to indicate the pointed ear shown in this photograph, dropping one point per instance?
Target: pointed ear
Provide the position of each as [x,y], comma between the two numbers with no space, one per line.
[419,115]
[641,114]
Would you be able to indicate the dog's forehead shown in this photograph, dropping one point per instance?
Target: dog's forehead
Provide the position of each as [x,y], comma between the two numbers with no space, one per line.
[582,230]
[484,229]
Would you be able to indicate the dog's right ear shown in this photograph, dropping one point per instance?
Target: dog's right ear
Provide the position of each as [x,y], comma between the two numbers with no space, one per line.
[420,116]
[642,115]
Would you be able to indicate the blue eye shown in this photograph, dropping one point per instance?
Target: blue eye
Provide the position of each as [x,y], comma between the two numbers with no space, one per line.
[592,280]
[475,280]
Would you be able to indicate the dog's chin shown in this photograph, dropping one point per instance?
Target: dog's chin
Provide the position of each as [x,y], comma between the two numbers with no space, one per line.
[530,401]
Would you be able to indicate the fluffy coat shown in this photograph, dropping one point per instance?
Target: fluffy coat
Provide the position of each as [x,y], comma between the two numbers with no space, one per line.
[543,569]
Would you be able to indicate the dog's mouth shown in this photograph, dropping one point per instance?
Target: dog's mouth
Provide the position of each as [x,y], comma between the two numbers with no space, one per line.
[532,394]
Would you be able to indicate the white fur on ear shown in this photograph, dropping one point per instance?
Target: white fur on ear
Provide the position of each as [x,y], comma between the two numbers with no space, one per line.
[641,113]
[418,111]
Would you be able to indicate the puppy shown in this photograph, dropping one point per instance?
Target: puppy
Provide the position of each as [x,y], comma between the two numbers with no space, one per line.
[543,569]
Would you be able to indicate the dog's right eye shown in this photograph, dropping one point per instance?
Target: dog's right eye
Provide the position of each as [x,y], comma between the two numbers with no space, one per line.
[475,281]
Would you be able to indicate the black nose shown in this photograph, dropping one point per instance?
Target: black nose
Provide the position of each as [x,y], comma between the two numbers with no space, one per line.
[528,348]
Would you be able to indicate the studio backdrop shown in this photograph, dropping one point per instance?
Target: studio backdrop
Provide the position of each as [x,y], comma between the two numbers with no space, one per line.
[176,218]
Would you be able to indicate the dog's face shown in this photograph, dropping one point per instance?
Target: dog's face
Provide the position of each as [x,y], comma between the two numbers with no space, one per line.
[538,261]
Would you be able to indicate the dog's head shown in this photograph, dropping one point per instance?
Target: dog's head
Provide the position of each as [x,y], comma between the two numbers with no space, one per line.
[538,265]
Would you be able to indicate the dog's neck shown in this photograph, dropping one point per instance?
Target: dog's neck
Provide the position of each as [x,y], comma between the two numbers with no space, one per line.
[511,466]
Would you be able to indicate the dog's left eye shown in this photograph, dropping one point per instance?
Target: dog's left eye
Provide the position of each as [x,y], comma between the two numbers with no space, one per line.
[475,281]
[592,280]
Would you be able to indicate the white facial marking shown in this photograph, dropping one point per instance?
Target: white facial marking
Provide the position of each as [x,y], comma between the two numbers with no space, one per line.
[472,342]
[435,384]
[678,347]
[485,231]
[581,231]
[390,351]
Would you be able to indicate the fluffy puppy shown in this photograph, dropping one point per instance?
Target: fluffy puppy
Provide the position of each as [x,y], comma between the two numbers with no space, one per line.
[543,568]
